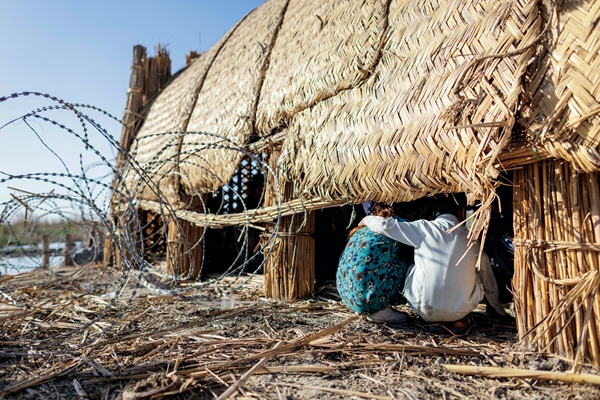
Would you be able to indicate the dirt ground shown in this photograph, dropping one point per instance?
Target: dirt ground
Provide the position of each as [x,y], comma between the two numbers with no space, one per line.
[65,335]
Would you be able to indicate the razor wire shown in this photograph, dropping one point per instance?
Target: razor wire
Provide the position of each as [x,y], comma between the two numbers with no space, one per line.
[101,198]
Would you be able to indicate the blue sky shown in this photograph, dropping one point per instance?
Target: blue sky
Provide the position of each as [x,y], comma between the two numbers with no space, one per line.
[81,51]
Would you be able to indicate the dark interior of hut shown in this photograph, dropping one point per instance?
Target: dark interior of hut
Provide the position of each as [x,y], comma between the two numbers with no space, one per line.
[234,246]
[499,239]
[331,234]
[155,244]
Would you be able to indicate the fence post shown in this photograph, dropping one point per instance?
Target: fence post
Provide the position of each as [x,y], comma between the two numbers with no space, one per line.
[67,250]
[45,250]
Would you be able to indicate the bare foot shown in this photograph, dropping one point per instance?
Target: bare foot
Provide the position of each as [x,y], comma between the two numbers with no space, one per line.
[461,323]
[456,327]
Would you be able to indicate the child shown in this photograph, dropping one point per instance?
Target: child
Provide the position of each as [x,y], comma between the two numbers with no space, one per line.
[372,270]
[380,210]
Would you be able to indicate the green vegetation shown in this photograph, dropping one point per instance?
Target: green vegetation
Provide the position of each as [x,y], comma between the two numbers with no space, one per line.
[19,232]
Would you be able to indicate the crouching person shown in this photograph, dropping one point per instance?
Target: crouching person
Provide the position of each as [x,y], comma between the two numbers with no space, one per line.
[371,271]
[444,284]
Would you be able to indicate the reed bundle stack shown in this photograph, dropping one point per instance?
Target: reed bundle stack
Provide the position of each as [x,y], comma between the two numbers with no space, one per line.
[557,266]
[149,75]
[394,100]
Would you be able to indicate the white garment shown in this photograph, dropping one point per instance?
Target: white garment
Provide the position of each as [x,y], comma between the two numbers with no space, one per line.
[443,284]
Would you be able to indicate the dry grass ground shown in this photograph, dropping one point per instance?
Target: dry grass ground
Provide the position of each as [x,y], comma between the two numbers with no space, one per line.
[164,346]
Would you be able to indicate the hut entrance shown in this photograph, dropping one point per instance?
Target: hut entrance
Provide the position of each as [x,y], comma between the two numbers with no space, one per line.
[334,224]
[331,235]
[235,246]
[499,239]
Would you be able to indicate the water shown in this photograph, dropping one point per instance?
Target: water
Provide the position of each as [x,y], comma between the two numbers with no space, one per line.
[17,261]
[19,264]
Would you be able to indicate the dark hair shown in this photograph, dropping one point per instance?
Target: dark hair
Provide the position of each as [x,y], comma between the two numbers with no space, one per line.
[410,209]
[379,210]
[446,203]
[383,210]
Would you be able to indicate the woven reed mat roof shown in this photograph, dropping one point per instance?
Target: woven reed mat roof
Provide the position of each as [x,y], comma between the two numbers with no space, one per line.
[385,99]
[226,104]
[395,137]
[322,49]
[562,117]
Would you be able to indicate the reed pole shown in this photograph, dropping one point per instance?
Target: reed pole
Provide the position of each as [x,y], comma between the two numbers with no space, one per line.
[185,247]
[135,98]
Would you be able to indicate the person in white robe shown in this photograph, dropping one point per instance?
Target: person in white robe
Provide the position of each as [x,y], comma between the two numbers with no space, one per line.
[444,283]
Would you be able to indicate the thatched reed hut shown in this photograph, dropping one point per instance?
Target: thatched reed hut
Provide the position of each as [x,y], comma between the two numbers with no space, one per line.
[394,100]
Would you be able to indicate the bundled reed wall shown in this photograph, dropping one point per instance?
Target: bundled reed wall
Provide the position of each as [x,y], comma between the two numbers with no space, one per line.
[290,267]
[557,259]
[184,249]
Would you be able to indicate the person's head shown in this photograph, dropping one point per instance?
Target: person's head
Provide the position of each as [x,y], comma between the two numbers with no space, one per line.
[447,203]
[378,210]
[383,210]
[410,210]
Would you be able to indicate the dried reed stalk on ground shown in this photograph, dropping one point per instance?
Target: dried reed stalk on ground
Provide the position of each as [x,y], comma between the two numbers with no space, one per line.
[514,373]
[166,346]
